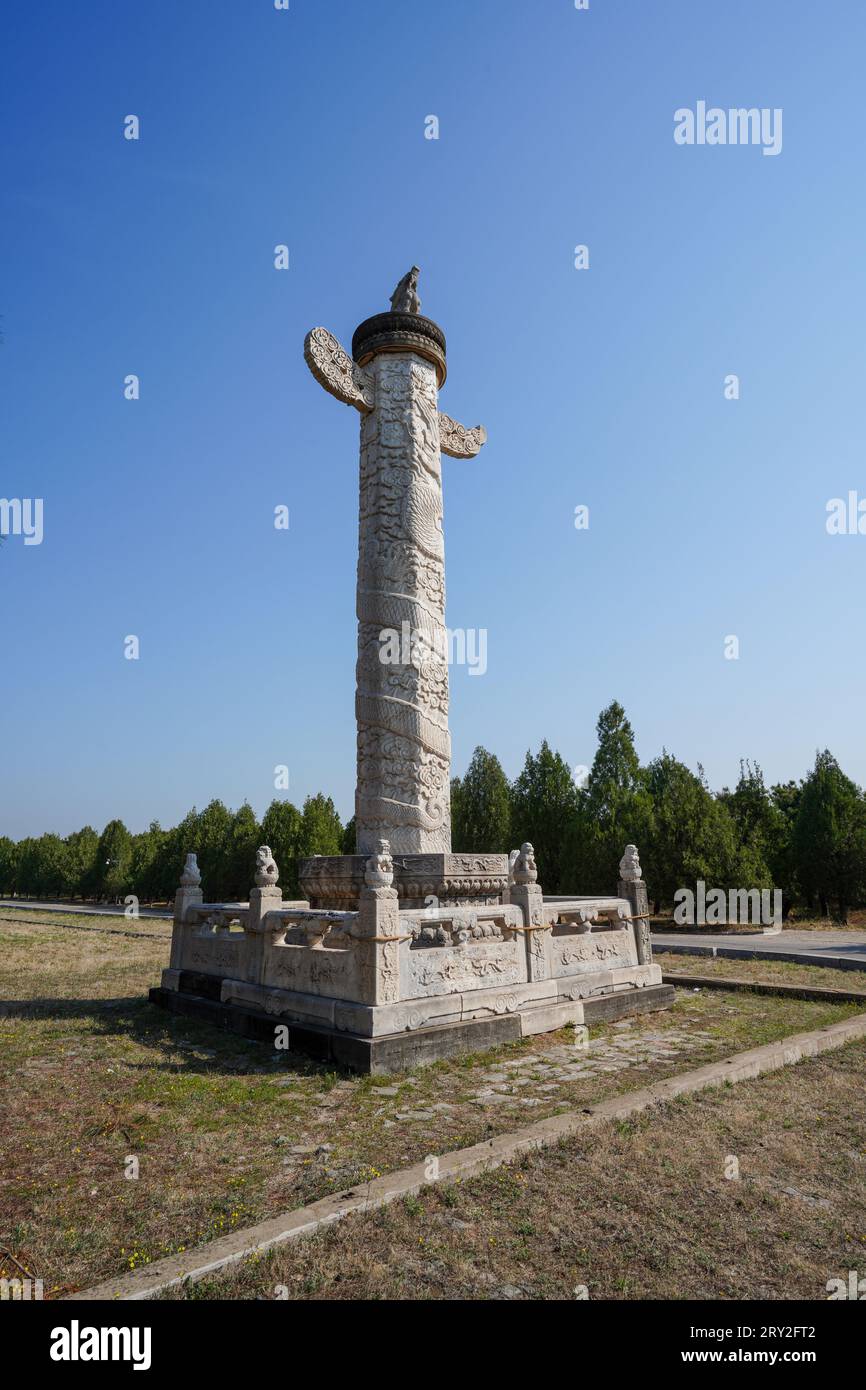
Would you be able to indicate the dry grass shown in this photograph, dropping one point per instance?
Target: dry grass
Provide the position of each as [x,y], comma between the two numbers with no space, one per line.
[764,971]
[856,922]
[226,1133]
[637,1210]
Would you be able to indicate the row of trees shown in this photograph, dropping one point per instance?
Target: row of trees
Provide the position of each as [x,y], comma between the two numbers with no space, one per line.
[807,838]
[117,863]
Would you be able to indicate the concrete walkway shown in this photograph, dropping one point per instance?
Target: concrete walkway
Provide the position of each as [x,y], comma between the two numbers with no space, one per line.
[838,950]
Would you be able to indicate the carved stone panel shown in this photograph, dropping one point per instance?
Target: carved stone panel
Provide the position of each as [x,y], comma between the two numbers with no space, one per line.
[585,952]
[457,969]
[313,970]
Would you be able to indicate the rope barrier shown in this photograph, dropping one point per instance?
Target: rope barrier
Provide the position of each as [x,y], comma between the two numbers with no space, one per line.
[638,917]
[377,939]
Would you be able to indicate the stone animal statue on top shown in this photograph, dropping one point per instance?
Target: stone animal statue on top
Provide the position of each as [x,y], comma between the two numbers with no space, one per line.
[267,872]
[405,299]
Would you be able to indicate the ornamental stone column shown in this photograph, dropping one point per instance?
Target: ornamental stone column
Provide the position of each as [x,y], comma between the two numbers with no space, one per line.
[188,895]
[401,704]
[631,886]
[524,891]
[378,930]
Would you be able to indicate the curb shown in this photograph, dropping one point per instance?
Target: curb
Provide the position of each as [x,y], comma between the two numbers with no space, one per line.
[665,929]
[786,957]
[819,993]
[463,1163]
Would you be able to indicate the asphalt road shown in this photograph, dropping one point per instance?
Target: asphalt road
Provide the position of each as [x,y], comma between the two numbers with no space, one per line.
[839,950]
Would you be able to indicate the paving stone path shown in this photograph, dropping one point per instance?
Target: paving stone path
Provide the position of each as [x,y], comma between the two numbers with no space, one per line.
[533,1080]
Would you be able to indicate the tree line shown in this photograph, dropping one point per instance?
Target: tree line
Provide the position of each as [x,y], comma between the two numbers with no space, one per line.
[117,863]
[807,838]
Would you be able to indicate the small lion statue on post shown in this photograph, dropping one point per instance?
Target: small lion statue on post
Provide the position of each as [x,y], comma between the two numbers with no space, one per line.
[267,872]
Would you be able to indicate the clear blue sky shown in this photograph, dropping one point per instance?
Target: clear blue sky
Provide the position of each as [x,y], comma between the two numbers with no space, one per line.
[601,387]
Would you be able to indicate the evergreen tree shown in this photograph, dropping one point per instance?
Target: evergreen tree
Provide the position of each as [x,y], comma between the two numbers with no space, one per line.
[757,825]
[615,808]
[45,866]
[167,865]
[28,867]
[82,849]
[830,838]
[691,835]
[321,830]
[215,847]
[114,861]
[782,856]
[350,833]
[281,830]
[240,862]
[457,844]
[543,807]
[8,866]
[145,856]
[481,811]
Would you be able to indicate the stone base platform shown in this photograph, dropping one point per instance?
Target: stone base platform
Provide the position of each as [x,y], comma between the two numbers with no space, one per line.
[199,996]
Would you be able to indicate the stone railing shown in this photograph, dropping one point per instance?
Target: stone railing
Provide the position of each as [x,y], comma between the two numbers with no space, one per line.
[264,950]
[208,938]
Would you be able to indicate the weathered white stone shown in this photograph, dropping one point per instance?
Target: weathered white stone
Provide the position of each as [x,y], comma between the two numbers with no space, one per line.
[267,872]
[191,876]
[549,1017]
[404,746]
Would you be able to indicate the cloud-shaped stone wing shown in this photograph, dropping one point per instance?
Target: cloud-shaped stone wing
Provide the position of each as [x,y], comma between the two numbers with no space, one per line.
[334,369]
[457,441]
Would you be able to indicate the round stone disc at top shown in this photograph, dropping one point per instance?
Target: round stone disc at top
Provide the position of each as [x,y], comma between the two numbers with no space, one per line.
[392,332]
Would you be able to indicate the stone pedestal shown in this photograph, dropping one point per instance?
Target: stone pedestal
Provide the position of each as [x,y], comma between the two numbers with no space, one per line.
[420,880]
[381,986]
